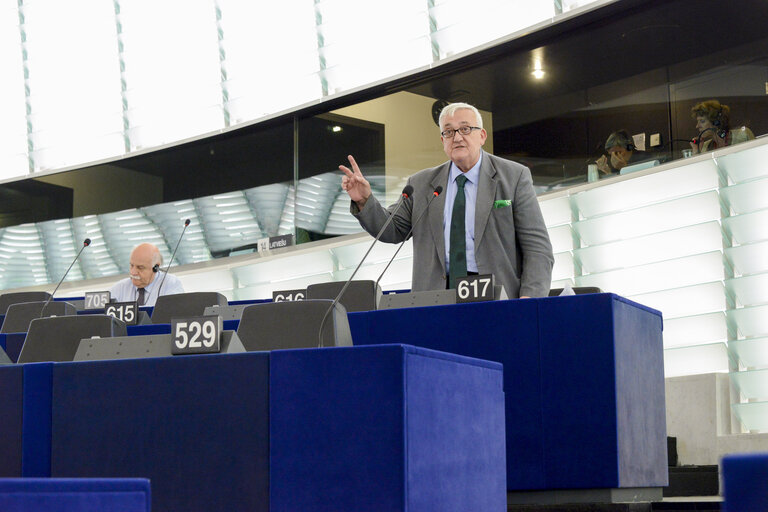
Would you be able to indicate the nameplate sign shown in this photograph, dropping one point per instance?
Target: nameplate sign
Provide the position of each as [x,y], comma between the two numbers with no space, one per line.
[96,300]
[475,288]
[128,312]
[274,242]
[289,295]
[196,335]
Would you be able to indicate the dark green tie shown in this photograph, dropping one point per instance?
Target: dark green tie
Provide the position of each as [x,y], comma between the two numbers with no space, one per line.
[457,252]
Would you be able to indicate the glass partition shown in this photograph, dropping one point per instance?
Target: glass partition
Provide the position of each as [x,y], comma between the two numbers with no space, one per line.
[550,97]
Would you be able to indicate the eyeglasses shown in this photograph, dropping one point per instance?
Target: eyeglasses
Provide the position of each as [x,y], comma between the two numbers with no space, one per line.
[464,130]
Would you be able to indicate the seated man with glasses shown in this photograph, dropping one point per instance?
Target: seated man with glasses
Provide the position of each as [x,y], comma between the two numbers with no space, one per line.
[487,221]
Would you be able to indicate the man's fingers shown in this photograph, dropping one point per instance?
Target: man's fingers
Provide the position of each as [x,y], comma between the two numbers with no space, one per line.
[354,165]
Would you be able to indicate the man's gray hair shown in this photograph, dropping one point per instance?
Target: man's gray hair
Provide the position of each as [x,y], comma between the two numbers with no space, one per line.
[450,109]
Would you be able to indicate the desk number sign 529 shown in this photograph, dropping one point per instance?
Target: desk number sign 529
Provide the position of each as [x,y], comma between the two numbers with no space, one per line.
[196,335]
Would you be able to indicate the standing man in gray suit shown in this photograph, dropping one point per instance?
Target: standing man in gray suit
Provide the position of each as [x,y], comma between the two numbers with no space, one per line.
[502,226]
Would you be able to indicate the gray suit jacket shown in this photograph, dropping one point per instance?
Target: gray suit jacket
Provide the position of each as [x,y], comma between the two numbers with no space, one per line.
[511,242]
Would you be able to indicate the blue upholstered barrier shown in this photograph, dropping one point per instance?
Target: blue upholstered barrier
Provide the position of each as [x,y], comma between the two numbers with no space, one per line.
[36,420]
[141,330]
[25,409]
[69,495]
[745,482]
[583,382]
[604,404]
[196,426]
[385,428]
[11,403]
[12,343]
[354,428]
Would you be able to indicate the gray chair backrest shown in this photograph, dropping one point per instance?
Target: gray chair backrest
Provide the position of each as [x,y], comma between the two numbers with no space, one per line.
[7,299]
[361,295]
[19,315]
[181,305]
[284,325]
[578,290]
[56,338]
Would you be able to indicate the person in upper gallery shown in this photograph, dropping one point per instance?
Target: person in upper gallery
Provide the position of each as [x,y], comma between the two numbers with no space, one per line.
[502,231]
[144,278]
[713,124]
[621,152]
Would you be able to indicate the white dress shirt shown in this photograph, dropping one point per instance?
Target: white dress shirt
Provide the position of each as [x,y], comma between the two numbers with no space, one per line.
[125,291]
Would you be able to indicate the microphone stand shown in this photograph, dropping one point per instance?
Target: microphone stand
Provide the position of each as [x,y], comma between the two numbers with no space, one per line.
[437,192]
[407,191]
[86,243]
[170,262]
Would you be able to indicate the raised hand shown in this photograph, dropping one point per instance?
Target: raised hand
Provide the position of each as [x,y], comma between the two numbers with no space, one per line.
[602,164]
[354,183]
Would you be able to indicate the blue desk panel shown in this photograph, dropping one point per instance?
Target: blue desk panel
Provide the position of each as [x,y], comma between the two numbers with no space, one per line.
[196,426]
[11,389]
[25,420]
[502,331]
[81,495]
[583,382]
[385,428]
[745,482]
[603,403]
[12,343]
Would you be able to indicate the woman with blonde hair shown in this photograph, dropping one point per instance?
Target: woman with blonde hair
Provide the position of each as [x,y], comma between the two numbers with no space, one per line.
[714,127]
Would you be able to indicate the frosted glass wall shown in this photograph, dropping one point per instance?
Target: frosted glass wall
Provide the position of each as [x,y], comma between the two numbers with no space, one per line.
[87,80]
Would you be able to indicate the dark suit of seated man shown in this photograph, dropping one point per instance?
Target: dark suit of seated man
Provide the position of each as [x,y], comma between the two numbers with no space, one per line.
[502,231]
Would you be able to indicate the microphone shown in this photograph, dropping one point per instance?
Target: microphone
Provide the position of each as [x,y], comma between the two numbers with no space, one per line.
[697,139]
[405,194]
[186,223]
[86,243]
[435,193]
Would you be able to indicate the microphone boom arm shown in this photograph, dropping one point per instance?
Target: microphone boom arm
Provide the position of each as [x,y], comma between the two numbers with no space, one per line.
[407,191]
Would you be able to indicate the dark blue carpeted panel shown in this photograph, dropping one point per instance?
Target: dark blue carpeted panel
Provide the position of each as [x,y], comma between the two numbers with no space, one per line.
[67,495]
[337,424]
[12,343]
[502,331]
[385,428]
[455,446]
[196,426]
[247,301]
[11,389]
[230,325]
[36,420]
[641,403]
[745,482]
[141,330]
[585,341]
